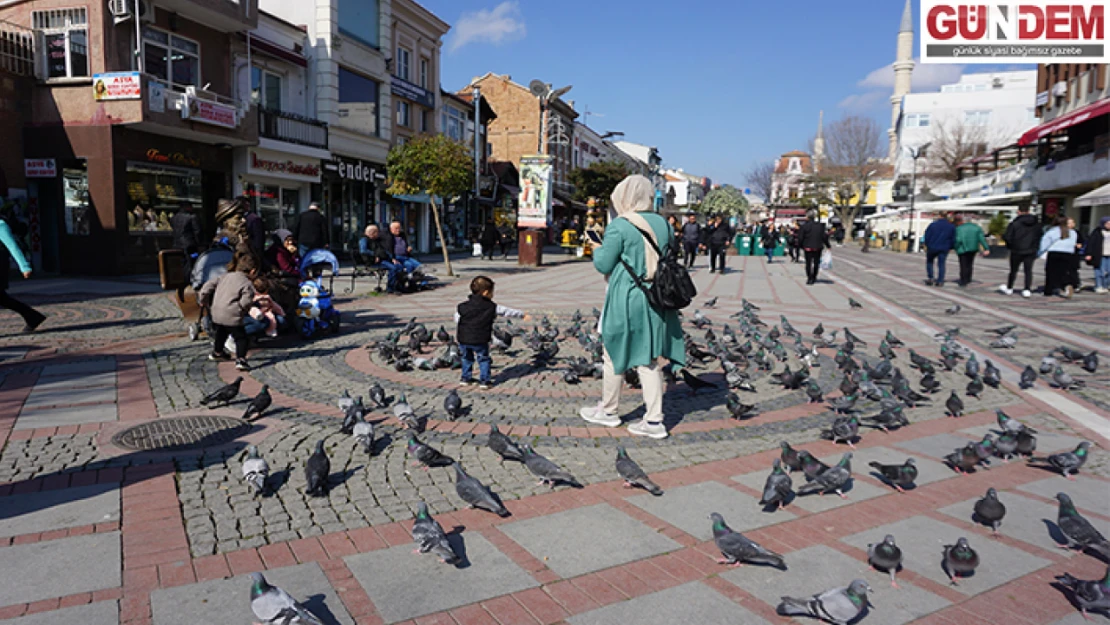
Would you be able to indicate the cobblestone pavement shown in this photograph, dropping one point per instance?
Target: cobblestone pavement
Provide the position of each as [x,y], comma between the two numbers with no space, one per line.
[188,524]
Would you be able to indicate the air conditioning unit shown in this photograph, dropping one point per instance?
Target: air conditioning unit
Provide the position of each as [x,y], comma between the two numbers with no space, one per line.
[146,11]
[122,10]
[1060,89]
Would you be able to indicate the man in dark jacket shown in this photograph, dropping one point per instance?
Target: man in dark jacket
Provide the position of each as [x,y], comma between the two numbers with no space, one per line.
[1022,238]
[940,237]
[375,252]
[691,238]
[256,230]
[720,236]
[186,230]
[312,229]
[813,238]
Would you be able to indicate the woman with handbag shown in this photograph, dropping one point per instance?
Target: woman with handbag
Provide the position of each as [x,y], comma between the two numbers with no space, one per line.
[635,334]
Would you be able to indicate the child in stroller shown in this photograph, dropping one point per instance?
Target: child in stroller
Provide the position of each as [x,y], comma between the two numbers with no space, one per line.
[315,312]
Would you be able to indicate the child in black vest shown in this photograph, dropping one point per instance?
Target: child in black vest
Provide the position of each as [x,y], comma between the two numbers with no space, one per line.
[474,319]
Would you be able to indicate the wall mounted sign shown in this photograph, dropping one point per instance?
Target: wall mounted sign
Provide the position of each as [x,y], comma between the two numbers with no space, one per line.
[155,155]
[117,86]
[209,112]
[407,90]
[352,169]
[271,164]
[40,168]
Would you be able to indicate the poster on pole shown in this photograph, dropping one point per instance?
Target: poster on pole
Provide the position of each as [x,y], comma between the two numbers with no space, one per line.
[535,191]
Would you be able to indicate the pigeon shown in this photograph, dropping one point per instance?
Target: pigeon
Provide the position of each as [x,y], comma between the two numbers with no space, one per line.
[476,493]
[971,367]
[992,377]
[790,457]
[960,560]
[354,414]
[1063,380]
[409,327]
[975,387]
[839,606]
[854,304]
[1093,595]
[843,429]
[1026,443]
[963,460]
[892,340]
[363,432]
[1028,378]
[738,549]
[1005,342]
[259,404]
[223,395]
[738,409]
[930,384]
[442,335]
[428,535]
[989,510]
[954,405]
[777,489]
[1069,354]
[1077,530]
[377,395]
[406,415]
[548,472]
[452,405]
[316,472]
[985,449]
[570,377]
[633,475]
[885,556]
[888,420]
[271,604]
[503,446]
[897,475]
[1066,462]
[1048,364]
[255,471]
[1003,331]
[814,393]
[812,467]
[427,455]
[695,383]
[711,303]
[1009,424]
[842,405]
[819,330]
[1090,362]
[848,387]
[833,479]
[852,338]
[1005,446]
[345,401]
[953,310]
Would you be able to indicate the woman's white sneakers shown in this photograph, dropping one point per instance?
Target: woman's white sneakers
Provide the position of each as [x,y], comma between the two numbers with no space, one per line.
[651,430]
[594,414]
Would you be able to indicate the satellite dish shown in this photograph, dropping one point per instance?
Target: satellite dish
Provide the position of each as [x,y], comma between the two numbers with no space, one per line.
[560,92]
[539,88]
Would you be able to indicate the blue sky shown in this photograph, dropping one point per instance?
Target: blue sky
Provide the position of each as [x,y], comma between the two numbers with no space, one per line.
[715,85]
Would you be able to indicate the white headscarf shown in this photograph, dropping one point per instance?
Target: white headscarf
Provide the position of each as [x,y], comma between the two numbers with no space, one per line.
[633,195]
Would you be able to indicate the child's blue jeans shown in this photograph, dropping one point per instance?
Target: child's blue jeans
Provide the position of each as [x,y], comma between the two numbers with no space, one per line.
[470,353]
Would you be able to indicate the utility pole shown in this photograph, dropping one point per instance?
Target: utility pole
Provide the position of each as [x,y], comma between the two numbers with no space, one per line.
[478,148]
[915,153]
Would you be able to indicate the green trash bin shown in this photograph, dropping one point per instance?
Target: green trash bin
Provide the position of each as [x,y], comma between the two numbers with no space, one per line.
[780,248]
[744,244]
[757,246]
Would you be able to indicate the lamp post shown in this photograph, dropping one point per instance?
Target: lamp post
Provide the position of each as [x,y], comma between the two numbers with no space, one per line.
[915,153]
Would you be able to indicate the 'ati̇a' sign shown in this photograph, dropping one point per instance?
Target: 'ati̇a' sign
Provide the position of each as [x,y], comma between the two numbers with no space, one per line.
[308,170]
[154,155]
[117,86]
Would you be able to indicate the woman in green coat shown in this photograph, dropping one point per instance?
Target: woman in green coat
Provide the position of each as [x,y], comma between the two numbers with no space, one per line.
[969,241]
[634,334]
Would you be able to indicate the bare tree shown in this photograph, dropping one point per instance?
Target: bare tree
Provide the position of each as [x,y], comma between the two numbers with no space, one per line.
[759,177]
[854,147]
[953,143]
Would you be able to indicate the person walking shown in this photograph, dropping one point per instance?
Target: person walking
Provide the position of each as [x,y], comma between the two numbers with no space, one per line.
[489,238]
[793,240]
[769,238]
[634,334]
[691,238]
[813,238]
[940,236]
[720,236]
[1021,238]
[1058,249]
[312,229]
[1097,255]
[970,240]
[32,318]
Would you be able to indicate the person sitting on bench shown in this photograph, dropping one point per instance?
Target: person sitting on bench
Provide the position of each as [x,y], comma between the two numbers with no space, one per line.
[375,253]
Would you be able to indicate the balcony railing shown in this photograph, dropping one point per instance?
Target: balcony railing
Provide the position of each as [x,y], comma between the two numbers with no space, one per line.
[17,49]
[292,128]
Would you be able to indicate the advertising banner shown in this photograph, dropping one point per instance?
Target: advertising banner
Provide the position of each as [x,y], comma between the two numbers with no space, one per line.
[535,191]
[117,86]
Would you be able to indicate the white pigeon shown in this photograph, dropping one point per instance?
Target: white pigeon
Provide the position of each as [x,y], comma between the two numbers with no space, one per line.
[255,470]
[271,604]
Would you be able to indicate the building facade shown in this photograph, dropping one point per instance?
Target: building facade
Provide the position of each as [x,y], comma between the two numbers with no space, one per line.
[648,163]
[792,178]
[683,190]
[469,213]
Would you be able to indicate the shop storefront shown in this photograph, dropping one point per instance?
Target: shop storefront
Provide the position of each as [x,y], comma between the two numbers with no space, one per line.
[415,214]
[279,185]
[349,192]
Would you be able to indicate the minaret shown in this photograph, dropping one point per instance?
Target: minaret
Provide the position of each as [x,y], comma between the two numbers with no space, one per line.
[903,68]
[819,142]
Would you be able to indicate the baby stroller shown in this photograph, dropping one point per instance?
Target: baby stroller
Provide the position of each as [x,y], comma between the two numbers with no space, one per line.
[315,312]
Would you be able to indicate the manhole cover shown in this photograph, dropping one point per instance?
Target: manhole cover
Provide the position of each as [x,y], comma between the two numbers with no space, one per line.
[180,433]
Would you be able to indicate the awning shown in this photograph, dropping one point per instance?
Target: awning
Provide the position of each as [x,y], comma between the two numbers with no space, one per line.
[1102,107]
[260,45]
[418,199]
[515,191]
[1097,197]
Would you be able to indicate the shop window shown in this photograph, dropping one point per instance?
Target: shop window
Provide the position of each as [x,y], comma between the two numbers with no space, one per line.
[78,214]
[267,200]
[358,102]
[171,58]
[402,64]
[360,20]
[156,193]
[65,42]
[404,114]
[266,89]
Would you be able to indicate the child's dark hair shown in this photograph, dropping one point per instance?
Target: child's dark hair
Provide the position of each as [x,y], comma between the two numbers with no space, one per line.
[261,286]
[243,261]
[481,284]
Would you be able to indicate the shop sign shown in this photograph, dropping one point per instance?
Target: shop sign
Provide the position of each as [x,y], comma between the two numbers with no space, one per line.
[117,86]
[283,167]
[40,168]
[535,191]
[405,89]
[209,112]
[155,155]
[352,169]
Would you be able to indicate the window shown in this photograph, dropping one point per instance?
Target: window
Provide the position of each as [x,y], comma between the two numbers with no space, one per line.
[426,121]
[402,64]
[65,42]
[360,20]
[169,57]
[977,118]
[266,89]
[917,120]
[358,102]
[404,111]
[454,123]
[424,73]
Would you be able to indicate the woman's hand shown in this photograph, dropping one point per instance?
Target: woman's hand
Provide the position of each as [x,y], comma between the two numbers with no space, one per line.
[26,275]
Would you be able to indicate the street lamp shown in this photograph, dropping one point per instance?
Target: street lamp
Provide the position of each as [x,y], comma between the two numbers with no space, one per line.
[915,153]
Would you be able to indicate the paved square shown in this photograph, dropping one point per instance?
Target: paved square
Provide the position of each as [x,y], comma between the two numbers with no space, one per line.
[57,509]
[602,537]
[489,573]
[816,569]
[54,417]
[83,367]
[1024,520]
[857,490]
[54,569]
[922,540]
[928,470]
[69,396]
[689,603]
[688,509]
[1087,493]
[1047,442]
[227,600]
[100,613]
[936,446]
[1075,619]
[62,382]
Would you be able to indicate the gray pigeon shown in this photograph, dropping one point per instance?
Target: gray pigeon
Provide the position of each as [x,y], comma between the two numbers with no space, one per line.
[960,560]
[778,487]
[897,475]
[259,404]
[377,395]
[1063,380]
[223,395]
[548,472]
[633,475]
[953,310]
[1008,341]
[428,535]
[316,472]
[406,415]
[452,405]
[839,606]
[989,510]
[1048,365]
[271,604]
[1028,378]
[354,414]
[1077,530]
[364,435]
[1093,595]
[345,401]
[843,429]
[503,446]
[954,404]
[476,493]
[833,478]
[255,470]
[1066,462]
[738,549]
[885,556]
